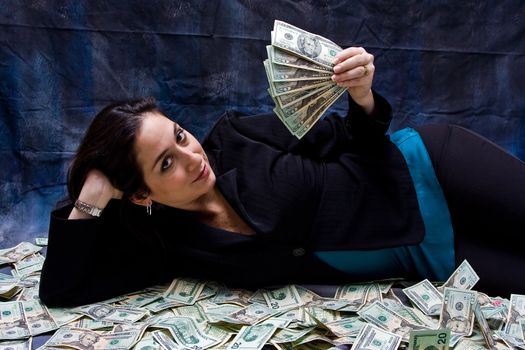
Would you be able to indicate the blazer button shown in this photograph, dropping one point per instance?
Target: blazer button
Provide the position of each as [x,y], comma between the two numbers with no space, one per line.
[298,252]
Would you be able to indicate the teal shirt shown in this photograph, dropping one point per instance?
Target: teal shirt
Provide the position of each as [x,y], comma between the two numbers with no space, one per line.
[433,258]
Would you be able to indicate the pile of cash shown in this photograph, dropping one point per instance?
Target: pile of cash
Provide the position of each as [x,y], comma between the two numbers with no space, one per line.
[299,70]
[195,314]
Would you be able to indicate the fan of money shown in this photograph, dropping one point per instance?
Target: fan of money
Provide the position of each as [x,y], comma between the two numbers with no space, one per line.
[299,67]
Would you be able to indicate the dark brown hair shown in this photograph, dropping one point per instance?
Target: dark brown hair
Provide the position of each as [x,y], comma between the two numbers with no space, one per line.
[108,146]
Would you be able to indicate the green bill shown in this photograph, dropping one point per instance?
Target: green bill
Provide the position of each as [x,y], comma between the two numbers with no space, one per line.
[430,339]
[253,337]
[425,296]
[283,298]
[311,47]
[185,291]
[13,324]
[374,338]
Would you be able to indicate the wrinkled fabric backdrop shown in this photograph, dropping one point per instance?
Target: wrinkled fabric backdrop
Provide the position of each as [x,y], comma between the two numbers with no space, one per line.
[61,61]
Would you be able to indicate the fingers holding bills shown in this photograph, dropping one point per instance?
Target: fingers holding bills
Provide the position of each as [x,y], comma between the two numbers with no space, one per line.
[299,72]
[302,66]
[351,62]
[354,69]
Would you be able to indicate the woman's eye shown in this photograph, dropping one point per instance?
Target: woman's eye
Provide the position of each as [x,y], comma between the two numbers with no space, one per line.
[181,136]
[166,163]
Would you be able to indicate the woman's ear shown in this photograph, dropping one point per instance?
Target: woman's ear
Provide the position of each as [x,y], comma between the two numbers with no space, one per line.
[141,199]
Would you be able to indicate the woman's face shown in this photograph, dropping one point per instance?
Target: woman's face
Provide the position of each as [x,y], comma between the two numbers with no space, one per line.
[175,167]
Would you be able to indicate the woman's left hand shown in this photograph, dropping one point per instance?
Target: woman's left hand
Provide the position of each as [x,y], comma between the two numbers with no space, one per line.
[354,69]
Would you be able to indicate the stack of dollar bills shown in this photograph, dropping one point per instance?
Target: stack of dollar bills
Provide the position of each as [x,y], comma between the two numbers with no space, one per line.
[196,314]
[299,70]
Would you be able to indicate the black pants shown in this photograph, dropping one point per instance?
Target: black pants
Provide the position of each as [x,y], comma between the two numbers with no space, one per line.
[484,186]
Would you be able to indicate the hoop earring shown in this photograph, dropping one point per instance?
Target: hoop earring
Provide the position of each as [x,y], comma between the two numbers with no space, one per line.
[148,209]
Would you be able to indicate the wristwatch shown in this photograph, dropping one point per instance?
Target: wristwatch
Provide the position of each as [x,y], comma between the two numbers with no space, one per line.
[87,208]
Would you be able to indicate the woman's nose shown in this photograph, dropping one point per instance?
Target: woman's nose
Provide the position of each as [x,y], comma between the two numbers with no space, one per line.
[193,160]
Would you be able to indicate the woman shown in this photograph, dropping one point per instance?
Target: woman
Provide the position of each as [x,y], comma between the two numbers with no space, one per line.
[253,206]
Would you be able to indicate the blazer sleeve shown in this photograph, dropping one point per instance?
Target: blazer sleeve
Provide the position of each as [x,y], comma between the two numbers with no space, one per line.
[326,138]
[95,259]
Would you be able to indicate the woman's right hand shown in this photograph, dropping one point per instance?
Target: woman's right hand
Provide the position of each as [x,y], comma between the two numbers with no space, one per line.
[96,191]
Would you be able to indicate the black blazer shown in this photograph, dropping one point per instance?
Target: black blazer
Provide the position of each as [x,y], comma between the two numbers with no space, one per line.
[344,186]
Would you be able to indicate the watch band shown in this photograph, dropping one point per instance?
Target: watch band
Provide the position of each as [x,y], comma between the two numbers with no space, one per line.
[87,208]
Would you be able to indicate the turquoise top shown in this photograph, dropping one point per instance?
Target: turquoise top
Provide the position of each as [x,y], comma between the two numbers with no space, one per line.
[433,258]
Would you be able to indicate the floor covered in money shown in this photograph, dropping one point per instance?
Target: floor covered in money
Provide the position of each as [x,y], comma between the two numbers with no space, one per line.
[194,314]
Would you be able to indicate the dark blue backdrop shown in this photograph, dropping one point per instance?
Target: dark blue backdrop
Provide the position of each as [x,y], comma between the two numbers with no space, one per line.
[61,61]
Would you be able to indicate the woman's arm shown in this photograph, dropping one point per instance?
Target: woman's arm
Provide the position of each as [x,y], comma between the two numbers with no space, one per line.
[97,191]
[366,123]
[91,259]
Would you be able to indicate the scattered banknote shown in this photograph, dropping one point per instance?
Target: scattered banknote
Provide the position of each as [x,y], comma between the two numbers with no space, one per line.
[17,344]
[63,316]
[290,335]
[187,333]
[84,339]
[194,311]
[231,296]
[314,337]
[195,314]
[379,315]
[409,313]
[41,241]
[9,286]
[436,339]
[283,298]
[466,344]
[184,291]
[515,315]
[13,323]
[484,327]
[299,70]
[322,316]
[38,318]
[165,341]
[457,313]
[28,294]
[253,337]
[374,338]
[147,342]
[89,323]
[464,277]
[30,264]
[218,312]
[374,294]
[510,341]
[108,313]
[251,315]
[143,298]
[345,326]
[312,299]
[426,297]
[354,294]
[161,304]
[17,253]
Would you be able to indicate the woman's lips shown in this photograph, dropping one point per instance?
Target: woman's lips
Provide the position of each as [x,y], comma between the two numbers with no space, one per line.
[203,174]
